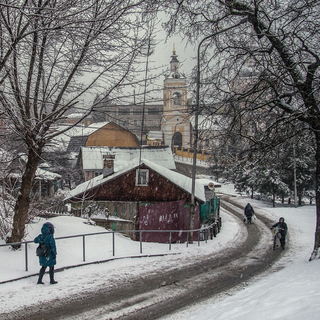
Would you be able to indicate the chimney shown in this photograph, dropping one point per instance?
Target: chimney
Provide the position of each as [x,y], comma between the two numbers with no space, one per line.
[108,164]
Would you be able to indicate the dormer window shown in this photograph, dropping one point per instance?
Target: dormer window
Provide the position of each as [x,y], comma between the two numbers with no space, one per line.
[142,177]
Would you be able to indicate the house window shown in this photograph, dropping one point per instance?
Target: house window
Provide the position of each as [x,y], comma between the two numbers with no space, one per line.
[142,177]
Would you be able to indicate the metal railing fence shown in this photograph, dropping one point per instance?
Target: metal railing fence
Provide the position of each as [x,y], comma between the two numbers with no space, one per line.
[203,234]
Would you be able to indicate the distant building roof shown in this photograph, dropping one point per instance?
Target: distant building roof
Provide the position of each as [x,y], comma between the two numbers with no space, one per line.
[76,143]
[206,182]
[47,175]
[93,128]
[63,141]
[154,135]
[40,175]
[75,115]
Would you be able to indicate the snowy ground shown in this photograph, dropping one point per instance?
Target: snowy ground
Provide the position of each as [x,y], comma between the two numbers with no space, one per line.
[292,291]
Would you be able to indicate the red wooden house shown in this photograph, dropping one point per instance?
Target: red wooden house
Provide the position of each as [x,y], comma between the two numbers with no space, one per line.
[161,197]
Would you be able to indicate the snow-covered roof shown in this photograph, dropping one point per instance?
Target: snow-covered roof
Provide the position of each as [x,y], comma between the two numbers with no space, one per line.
[40,174]
[61,142]
[92,157]
[180,180]
[205,182]
[153,135]
[47,175]
[75,115]
[93,128]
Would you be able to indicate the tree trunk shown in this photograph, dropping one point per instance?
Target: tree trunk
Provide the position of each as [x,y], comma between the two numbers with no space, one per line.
[273,200]
[316,254]
[22,205]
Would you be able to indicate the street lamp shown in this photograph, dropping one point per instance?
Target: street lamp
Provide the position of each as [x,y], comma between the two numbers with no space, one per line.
[195,144]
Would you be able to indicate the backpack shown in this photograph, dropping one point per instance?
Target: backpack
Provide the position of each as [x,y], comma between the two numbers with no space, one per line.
[42,250]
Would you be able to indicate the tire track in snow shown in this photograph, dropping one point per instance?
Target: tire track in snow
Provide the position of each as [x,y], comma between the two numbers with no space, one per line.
[157,295]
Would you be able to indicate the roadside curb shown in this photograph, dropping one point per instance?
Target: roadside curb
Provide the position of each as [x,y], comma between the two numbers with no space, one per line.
[91,263]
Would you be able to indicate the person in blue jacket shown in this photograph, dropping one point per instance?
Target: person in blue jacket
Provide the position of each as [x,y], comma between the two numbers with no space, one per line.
[46,236]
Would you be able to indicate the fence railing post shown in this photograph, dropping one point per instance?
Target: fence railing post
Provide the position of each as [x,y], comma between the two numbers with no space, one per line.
[187,239]
[26,255]
[84,248]
[140,236]
[170,237]
[198,238]
[113,245]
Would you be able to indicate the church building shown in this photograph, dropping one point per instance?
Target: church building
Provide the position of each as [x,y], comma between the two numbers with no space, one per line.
[176,125]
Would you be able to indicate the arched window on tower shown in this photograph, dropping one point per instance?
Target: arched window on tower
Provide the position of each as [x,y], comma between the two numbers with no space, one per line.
[177,98]
[177,139]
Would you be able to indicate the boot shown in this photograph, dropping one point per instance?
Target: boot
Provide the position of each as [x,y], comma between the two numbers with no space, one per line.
[51,273]
[41,273]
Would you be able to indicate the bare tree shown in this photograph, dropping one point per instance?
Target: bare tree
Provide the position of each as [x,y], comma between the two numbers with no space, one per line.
[264,63]
[52,53]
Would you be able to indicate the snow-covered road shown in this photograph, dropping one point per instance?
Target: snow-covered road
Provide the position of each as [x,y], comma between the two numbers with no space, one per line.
[295,281]
[170,284]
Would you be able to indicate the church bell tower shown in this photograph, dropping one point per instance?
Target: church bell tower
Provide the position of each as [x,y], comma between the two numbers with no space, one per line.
[176,120]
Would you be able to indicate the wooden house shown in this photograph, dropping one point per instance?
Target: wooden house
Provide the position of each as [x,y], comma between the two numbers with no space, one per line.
[159,199]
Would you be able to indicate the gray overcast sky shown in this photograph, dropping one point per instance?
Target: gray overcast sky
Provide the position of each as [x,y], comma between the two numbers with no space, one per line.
[159,62]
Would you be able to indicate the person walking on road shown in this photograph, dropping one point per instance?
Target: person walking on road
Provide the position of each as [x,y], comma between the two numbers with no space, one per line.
[49,260]
[283,231]
[248,212]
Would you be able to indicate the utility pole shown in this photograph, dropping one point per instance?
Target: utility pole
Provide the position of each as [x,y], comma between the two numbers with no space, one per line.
[197,111]
[195,144]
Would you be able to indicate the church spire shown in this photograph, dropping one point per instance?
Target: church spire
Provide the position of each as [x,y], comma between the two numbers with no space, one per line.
[174,64]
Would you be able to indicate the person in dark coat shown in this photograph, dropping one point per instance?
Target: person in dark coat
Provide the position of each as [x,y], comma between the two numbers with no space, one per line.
[283,231]
[248,212]
[46,236]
